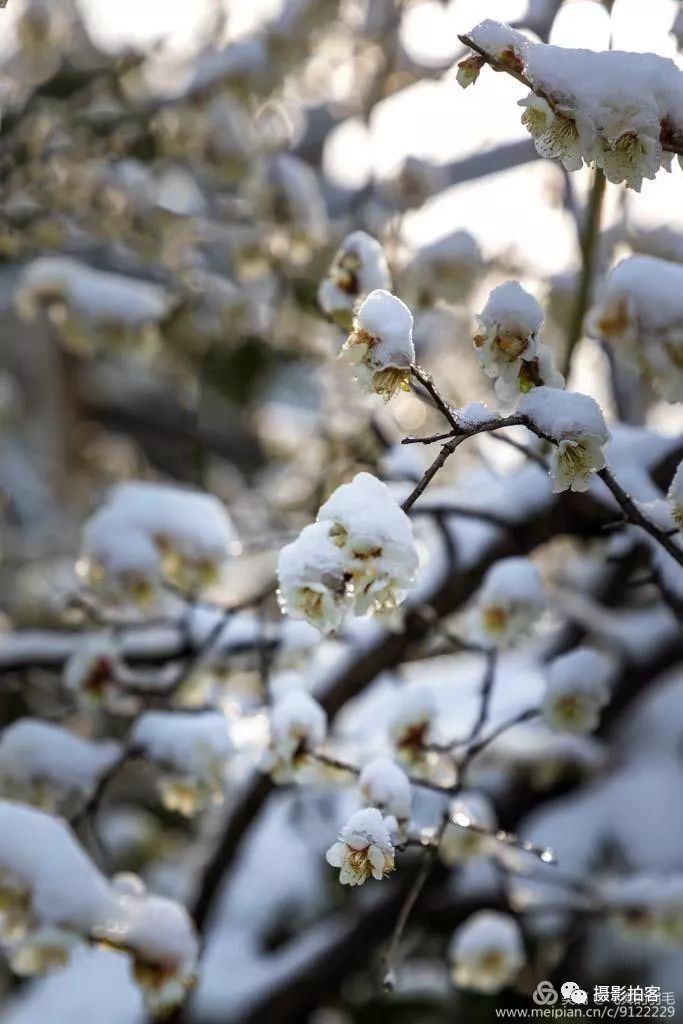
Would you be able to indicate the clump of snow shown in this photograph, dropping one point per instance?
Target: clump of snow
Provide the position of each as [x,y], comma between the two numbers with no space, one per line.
[577,691]
[486,952]
[360,555]
[45,765]
[147,532]
[508,344]
[613,109]
[475,414]
[577,426]
[380,346]
[384,785]
[191,748]
[298,724]
[364,849]
[640,311]
[509,603]
[359,267]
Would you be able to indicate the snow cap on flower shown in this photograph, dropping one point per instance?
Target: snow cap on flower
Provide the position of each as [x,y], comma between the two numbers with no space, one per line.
[675,496]
[380,346]
[384,785]
[459,841]
[486,952]
[364,849]
[359,267]
[576,424]
[311,573]
[191,750]
[576,691]
[508,344]
[410,722]
[647,907]
[49,767]
[509,603]
[298,724]
[375,537]
[639,310]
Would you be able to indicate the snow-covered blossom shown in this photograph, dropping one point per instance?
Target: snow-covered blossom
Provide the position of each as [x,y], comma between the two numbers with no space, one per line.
[384,785]
[675,496]
[445,269]
[52,897]
[576,691]
[364,848]
[191,750]
[459,841]
[359,267]
[298,724]
[380,346]
[148,532]
[639,310]
[411,721]
[91,671]
[49,767]
[509,603]
[576,424]
[360,555]
[611,109]
[508,344]
[486,952]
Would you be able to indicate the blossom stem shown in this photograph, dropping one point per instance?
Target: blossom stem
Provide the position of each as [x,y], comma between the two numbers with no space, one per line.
[590,235]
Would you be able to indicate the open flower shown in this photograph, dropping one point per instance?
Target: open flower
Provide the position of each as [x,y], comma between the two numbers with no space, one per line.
[298,725]
[91,671]
[556,133]
[380,347]
[629,148]
[486,952]
[576,424]
[43,950]
[312,576]
[364,849]
[507,343]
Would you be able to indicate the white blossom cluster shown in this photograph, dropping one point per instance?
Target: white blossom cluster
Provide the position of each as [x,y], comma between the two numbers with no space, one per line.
[612,109]
[576,691]
[509,603]
[358,556]
[487,952]
[359,267]
[508,343]
[52,898]
[190,749]
[576,425]
[149,534]
[380,347]
[640,312]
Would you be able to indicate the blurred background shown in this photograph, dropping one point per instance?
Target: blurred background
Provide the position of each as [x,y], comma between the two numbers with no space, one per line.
[174,179]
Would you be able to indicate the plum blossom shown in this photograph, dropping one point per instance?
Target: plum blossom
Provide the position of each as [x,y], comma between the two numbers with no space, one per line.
[384,785]
[90,672]
[577,427]
[509,603]
[508,344]
[576,691]
[557,133]
[486,952]
[412,720]
[364,849]
[359,556]
[298,724]
[380,346]
[359,267]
